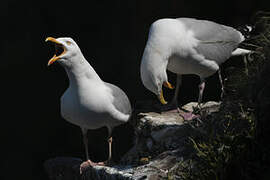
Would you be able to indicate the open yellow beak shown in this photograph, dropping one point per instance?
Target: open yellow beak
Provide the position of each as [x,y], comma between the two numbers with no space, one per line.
[161,98]
[53,59]
[57,46]
[52,40]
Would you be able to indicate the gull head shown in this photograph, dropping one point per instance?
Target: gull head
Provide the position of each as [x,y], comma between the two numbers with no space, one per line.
[65,49]
[154,78]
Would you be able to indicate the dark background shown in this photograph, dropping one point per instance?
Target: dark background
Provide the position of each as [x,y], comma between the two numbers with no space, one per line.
[112,36]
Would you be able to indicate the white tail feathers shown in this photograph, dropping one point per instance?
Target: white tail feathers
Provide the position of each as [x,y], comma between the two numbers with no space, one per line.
[241,52]
[245,31]
[250,28]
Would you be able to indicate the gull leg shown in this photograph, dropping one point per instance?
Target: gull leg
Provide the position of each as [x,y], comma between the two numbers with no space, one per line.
[201,89]
[110,139]
[221,83]
[109,160]
[85,142]
[185,115]
[88,162]
[178,84]
[110,149]
[191,115]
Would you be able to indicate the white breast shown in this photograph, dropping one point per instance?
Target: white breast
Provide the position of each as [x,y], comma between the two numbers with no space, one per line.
[86,106]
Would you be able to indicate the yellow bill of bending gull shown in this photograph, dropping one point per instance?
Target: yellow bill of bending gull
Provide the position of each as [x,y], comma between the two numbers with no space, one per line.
[186,46]
[88,102]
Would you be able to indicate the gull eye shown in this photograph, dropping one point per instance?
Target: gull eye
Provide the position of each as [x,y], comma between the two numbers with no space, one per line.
[68,43]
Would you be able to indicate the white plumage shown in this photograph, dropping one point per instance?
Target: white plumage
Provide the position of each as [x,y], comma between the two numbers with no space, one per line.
[89,102]
[186,46]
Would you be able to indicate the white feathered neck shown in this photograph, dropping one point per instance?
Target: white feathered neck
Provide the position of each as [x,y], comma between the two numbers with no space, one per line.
[78,68]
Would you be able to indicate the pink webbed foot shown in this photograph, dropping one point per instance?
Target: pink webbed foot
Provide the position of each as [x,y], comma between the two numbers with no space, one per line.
[89,163]
[188,115]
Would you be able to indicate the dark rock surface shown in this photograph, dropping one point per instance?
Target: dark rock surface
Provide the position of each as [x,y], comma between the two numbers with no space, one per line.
[159,147]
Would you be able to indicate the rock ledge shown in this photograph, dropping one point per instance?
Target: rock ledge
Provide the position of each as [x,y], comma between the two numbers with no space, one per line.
[159,147]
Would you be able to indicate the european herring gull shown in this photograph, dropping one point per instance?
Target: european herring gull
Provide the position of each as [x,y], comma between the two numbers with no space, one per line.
[186,46]
[88,102]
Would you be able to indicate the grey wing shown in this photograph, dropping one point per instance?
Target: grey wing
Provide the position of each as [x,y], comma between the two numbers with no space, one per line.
[121,101]
[216,41]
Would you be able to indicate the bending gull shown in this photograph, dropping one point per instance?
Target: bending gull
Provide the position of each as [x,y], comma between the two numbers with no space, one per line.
[186,46]
[88,102]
